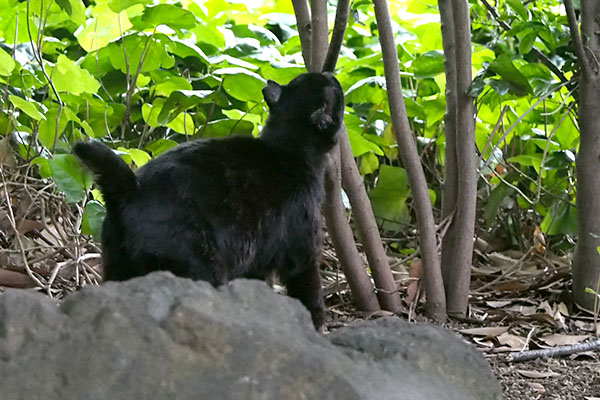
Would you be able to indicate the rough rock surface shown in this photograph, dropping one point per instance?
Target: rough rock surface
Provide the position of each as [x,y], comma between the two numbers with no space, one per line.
[162,337]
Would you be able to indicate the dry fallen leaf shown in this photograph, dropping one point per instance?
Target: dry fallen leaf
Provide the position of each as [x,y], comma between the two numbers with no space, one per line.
[491,331]
[538,387]
[537,374]
[15,279]
[513,341]
[498,303]
[562,340]
[413,287]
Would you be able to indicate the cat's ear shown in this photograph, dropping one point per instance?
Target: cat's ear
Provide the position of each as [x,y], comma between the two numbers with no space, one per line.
[272,93]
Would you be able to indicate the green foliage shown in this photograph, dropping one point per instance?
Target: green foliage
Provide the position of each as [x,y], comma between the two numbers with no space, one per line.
[144,76]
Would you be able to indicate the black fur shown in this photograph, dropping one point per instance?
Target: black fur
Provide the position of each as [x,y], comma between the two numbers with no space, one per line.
[223,209]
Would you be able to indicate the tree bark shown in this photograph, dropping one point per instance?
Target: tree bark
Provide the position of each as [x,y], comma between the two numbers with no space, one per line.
[586,261]
[387,292]
[302,13]
[449,188]
[343,239]
[320,34]
[434,287]
[458,256]
[337,37]
[335,214]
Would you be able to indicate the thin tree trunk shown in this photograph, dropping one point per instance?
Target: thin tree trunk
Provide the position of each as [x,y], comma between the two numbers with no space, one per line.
[450,186]
[302,13]
[586,261]
[335,214]
[320,34]
[387,292]
[436,302]
[343,239]
[457,271]
[337,37]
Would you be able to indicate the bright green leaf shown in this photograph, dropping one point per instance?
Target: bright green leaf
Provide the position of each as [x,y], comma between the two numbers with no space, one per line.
[104,27]
[29,108]
[69,77]
[70,177]
[519,8]
[7,64]
[242,84]
[503,66]
[429,65]
[170,15]
[93,216]
[389,197]
[120,5]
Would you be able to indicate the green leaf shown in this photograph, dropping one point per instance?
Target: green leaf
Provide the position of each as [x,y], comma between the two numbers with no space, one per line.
[47,131]
[228,127]
[359,144]
[182,123]
[70,177]
[526,43]
[428,87]
[368,164]
[154,50]
[160,146]
[519,8]
[562,219]
[91,224]
[7,64]
[139,157]
[75,9]
[242,84]
[503,66]
[103,27]
[389,197]
[367,90]
[44,166]
[69,77]
[528,160]
[170,15]
[120,5]
[429,65]
[29,108]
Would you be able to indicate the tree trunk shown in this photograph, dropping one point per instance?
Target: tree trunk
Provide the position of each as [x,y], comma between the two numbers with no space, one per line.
[586,261]
[457,252]
[387,290]
[339,229]
[449,188]
[434,287]
[320,34]
[343,239]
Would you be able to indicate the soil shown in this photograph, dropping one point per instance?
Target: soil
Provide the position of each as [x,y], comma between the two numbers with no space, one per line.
[560,379]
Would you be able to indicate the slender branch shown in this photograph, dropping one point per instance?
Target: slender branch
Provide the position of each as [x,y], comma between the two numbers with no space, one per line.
[386,288]
[337,38]
[576,37]
[320,34]
[302,13]
[553,352]
[343,239]
[436,303]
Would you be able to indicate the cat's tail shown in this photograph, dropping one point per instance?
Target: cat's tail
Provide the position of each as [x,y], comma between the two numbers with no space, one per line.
[114,177]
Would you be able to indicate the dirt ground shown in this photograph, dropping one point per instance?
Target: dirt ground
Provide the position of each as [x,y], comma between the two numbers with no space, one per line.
[560,379]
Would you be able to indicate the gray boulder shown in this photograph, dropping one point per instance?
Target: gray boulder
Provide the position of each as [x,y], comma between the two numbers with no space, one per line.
[162,337]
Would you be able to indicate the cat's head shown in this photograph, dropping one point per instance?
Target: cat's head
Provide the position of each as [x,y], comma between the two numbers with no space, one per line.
[311,105]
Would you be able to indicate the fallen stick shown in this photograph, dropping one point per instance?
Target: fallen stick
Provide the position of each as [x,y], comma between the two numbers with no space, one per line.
[553,352]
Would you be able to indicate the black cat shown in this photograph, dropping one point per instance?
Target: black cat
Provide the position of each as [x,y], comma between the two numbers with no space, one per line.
[221,209]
